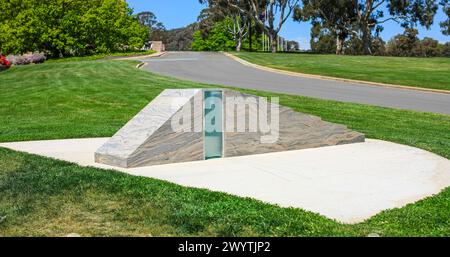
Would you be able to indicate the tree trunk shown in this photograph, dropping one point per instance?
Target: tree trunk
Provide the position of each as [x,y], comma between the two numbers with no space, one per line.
[273,41]
[238,44]
[339,45]
[250,34]
[366,40]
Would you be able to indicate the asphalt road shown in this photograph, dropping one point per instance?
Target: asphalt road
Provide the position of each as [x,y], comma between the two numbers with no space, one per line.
[216,68]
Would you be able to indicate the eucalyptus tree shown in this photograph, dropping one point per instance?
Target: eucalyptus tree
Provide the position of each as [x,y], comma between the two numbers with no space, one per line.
[239,27]
[147,19]
[268,15]
[338,17]
[156,29]
[372,14]
[445,25]
[237,20]
[364,19]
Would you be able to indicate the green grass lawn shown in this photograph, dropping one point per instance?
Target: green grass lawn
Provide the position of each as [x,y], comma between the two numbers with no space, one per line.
[417,72]
[41,196]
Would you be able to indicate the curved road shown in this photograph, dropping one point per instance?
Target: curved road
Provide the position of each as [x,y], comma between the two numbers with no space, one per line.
[216,68]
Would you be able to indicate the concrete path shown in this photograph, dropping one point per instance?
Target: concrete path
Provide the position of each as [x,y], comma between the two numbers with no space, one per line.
[216,68]
[349,183]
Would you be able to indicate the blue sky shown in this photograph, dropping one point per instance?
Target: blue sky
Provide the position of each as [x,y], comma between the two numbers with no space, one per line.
[179,13]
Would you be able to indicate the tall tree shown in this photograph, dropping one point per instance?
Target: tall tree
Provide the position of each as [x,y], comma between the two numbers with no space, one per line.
[445,25]
[322,41]
[269,15]
[238,26]
[336,16]
[147,19]
[408,13]
[156,28]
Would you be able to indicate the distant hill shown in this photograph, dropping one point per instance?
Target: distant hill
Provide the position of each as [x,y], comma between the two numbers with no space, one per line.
[180,39]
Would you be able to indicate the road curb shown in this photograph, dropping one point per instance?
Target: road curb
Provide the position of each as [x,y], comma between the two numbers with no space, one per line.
[304,75]
[142,64]
[142,56]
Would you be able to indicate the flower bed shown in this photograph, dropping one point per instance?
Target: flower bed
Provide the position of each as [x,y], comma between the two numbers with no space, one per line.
[4,63]
[27,58]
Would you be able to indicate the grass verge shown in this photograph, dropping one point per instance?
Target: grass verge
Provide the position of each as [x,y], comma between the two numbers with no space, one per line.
[416,72]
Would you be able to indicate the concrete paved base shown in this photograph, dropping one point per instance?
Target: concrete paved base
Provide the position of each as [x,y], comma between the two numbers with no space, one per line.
[349,183]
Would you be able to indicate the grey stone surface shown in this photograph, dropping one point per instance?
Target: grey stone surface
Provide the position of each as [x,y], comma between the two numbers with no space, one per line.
[138,143]
[167,146]
[148,139]
[296,131]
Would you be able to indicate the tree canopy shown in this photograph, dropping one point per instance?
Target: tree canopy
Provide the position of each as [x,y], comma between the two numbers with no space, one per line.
[69,27]
[409,44]
[156,29]
[445,25]
[363,20]
[268,15]
[62,28]
[338,17]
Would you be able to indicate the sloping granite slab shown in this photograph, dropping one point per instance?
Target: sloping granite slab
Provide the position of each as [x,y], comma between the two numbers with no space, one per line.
[143,137]
[296,131]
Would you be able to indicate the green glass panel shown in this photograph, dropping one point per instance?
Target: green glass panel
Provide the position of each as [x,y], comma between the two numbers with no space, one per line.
[213,124]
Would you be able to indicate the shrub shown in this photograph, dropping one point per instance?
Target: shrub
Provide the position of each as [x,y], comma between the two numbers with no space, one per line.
[217,39]
[408,44]
[63,28]
[27,58]
[4,63]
